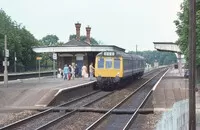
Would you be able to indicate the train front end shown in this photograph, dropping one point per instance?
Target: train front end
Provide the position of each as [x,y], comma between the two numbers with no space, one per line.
[108,69]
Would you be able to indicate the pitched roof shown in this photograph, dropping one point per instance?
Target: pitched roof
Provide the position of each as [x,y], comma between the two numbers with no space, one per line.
[74,42]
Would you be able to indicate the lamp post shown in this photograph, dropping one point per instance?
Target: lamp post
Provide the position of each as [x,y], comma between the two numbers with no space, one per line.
[5,63]
[15,60]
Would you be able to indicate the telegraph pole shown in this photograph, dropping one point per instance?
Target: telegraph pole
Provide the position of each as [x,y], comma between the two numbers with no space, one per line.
[5,63]
[192,64]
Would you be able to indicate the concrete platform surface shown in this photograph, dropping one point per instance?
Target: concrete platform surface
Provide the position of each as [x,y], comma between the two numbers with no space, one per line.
[172,88]
[29,92]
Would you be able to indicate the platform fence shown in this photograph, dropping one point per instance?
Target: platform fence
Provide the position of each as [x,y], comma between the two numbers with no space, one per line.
[176,118]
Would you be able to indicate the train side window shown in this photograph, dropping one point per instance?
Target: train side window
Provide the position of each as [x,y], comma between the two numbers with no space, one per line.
[100,62]
[117,63]
[108,63]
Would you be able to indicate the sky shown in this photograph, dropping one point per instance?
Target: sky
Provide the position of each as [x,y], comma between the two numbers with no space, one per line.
[124,23]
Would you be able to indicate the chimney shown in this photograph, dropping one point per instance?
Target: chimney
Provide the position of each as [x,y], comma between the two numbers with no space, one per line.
[78,26]
[88,29]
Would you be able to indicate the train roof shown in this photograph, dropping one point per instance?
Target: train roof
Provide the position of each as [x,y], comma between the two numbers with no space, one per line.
[118,54]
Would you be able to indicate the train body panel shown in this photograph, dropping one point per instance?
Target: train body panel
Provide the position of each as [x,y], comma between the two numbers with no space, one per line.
[112,66]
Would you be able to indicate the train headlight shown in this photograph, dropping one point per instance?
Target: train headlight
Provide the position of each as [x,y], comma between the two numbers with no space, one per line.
[118,74]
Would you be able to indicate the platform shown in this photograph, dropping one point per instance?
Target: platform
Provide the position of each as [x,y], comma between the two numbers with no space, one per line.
[31,92]
[172,88]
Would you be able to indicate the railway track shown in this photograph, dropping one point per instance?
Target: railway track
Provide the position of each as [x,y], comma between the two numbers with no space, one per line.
[49,118]
[124,121]
[85,116]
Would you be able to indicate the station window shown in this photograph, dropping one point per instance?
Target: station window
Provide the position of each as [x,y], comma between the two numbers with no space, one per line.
[100,62]
[117,63]
[108,63]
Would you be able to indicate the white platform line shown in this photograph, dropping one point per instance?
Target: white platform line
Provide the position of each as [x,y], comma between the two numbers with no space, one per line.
[154,87]
[40,105]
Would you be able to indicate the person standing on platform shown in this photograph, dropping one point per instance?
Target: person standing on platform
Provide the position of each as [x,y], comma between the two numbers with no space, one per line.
[91,69]
[76,71]
[73,71]
[66,71]
[84,71]
[70,72]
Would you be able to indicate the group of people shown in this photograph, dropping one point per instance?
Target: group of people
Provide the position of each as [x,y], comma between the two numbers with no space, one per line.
[72,71]
[91,70]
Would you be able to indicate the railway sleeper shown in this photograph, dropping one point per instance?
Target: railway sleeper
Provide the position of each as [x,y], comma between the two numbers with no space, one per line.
[101,110]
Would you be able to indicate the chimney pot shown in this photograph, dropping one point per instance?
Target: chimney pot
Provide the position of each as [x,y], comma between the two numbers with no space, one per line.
[88,29]
[78,26]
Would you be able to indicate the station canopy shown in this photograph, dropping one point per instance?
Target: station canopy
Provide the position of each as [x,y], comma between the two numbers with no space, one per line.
[76,46]
[167,46]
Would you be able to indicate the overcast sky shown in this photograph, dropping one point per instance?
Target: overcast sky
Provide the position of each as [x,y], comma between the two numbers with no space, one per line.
[123,23]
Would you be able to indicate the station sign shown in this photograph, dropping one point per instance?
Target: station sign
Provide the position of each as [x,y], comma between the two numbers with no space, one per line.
[4,63]
[7,53]
[55,56]
[38,58]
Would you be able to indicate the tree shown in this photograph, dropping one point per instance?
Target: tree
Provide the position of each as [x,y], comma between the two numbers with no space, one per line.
[19,40]
[182,25]
[49,40]
[163,58]
[83,39]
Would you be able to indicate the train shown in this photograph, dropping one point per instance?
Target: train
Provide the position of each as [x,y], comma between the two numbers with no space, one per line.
[112,67]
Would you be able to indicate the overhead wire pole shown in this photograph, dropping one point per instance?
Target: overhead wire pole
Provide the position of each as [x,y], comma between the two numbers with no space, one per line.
[192,64]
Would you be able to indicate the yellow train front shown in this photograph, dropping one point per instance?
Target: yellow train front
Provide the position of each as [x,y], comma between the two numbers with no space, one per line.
[111,67]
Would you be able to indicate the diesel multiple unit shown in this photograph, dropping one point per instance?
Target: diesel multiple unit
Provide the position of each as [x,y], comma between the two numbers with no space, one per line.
[111,67]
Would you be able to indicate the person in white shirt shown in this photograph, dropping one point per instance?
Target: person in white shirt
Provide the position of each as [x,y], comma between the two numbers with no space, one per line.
[84,71]
[91,69]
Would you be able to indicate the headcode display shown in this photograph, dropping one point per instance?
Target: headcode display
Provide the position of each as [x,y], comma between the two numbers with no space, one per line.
[107,53]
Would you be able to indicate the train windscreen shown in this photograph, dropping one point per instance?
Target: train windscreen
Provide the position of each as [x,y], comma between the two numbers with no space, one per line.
[108,63]
[100,62]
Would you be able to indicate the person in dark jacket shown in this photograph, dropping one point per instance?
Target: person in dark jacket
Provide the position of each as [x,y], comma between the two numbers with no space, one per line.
[76,71]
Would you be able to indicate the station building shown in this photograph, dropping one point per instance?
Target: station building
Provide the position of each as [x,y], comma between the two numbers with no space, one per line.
[76,51]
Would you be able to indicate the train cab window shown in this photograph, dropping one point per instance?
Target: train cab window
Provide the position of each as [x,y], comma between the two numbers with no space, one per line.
[117,63]
[100,62]
[108,63]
